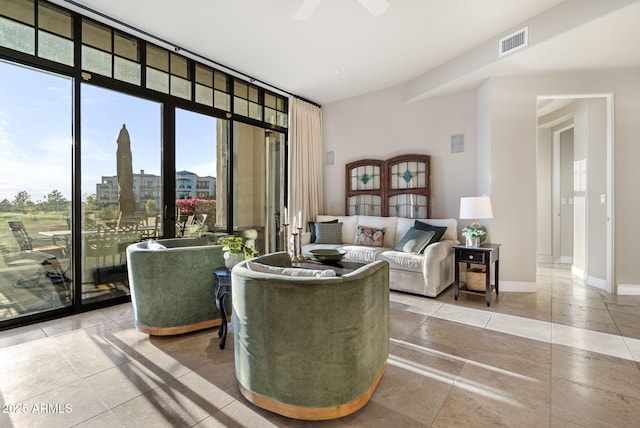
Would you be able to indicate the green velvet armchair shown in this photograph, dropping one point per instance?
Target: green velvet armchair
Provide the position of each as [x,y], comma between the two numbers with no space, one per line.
[172,288]
[308,347]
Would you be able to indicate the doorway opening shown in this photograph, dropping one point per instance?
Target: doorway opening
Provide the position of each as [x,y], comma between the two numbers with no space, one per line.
[575,185]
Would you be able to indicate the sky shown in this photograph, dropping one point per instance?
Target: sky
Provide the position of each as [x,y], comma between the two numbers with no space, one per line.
[36,134]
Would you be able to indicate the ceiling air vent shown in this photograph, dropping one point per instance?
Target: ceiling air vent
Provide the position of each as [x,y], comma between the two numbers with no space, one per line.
[514,41]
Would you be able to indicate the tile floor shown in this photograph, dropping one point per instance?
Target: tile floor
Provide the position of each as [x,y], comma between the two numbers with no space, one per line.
[565,356]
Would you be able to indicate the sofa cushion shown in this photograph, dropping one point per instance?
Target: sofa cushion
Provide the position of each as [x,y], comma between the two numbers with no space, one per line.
[438,231]
[414,241]
[361,253]
[403,261]
[155,245]
[369,236]
[312,228]
[290,271]
[349,223]
[328,233]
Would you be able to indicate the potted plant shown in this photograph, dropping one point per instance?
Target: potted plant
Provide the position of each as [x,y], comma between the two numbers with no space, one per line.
[235,250]
[473,236]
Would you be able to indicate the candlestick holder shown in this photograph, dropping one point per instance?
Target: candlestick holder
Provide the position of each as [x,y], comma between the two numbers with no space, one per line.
[301,258]
[285,238]
[296,257]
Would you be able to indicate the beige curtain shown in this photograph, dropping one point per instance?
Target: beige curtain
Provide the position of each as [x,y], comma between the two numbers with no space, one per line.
[305,162]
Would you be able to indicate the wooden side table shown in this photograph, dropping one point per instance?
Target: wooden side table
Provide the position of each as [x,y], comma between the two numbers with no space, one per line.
[487,255]
[223,291]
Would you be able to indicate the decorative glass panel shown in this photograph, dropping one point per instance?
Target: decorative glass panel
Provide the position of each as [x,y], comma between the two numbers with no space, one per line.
[408,175]
[365,205]
[255,111]
[270,115]
[179,66]
[220,81]
[180,87]
[240,89]
[270,101]
[18,10]
[408,205]
[157,80]
[365,178]
[158,58]
[241,106]
[204,95]
[126,47]
[96,61]
[283,119]
[17,36]
[204,75]
[253,94]
[221,100]
[55,48]
[96,35]
[55,20]
[127,71]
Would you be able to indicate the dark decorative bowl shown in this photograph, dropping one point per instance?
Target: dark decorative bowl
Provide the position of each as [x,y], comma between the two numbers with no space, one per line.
[328,255]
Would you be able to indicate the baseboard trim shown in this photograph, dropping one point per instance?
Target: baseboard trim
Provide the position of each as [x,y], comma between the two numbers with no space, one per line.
[566,260]
[629,289]
[596,282]
[518,286]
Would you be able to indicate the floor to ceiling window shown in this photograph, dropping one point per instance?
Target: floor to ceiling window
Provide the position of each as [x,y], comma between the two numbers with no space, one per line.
[35,191]
[107,139]
[121,185]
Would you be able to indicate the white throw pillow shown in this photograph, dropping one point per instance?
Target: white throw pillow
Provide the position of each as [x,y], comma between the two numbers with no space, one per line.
[155,245]
[319,273]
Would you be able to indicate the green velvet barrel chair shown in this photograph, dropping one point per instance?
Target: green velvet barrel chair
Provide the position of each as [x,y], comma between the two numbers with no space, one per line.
[311,348]
[172,285]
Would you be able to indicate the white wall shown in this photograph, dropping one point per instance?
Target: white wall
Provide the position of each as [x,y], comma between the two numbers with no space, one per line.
[596,186]
[567,197]
[513,139]
[544,194]
[381,125]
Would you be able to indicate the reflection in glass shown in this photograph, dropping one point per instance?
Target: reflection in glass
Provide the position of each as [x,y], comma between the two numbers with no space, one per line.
[121,182]
[35,251]
[197,176]
[258,172]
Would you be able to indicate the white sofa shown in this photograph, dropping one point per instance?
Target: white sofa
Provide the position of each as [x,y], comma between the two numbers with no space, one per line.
[427,273]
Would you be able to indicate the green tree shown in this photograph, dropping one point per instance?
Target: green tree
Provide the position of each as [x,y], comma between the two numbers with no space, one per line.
[150,207]
[22,200]
[55,201]
[90,202]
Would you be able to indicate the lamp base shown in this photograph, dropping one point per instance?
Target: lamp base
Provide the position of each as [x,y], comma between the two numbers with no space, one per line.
[477,226]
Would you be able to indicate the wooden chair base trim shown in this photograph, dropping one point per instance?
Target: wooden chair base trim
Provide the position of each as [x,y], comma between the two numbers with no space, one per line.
[170,331]
[313,413]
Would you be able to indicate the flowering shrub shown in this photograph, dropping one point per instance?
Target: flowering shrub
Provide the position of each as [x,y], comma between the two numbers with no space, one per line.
[195,206]
[198,206]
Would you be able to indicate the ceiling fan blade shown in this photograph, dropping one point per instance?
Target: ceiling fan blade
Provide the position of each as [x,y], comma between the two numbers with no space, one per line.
[306,9]
[375,7]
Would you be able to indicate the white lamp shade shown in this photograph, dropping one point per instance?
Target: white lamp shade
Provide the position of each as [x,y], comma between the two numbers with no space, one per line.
[476,207]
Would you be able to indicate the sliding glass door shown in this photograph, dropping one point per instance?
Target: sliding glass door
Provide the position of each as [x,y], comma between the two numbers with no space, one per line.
[200,176]
[121,185]
[35,191]
[258,177]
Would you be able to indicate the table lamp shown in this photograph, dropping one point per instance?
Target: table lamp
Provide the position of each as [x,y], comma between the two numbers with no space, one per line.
[476,207]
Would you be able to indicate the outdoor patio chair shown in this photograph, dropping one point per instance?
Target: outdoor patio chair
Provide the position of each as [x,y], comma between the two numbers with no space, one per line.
[26,242]
[45,256]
